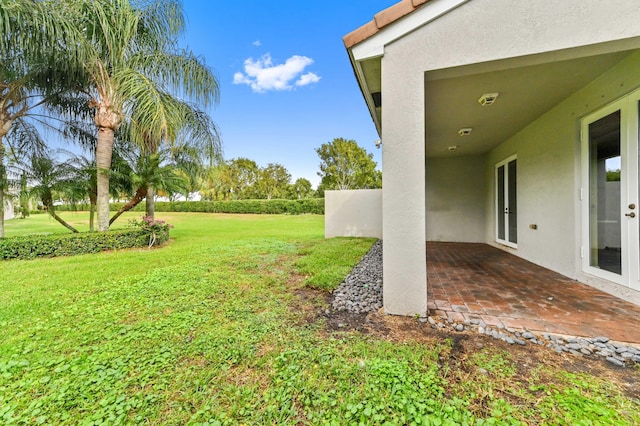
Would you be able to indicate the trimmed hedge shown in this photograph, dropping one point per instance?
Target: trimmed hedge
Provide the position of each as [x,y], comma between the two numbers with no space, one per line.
[304,206]
[34,246]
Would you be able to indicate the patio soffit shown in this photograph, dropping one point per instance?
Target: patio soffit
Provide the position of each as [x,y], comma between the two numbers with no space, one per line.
[527,89]
[525,93]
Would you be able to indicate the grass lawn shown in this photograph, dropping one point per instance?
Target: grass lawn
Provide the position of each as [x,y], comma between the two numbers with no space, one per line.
[217,328]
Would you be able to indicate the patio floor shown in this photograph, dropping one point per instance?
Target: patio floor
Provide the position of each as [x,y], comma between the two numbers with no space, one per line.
[467,281]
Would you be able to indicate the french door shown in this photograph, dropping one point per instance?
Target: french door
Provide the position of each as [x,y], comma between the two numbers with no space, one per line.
[610,213]
[507,202]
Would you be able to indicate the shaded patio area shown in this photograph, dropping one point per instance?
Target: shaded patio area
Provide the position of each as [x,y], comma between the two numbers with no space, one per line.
[478,281]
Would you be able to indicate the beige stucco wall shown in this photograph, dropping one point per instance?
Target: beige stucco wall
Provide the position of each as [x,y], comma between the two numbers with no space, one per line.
[549,181]
[353,213]
[455,200]
[481,31]
[403,197]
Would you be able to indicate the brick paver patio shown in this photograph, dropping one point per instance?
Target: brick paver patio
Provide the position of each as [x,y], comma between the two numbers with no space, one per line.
[467,281]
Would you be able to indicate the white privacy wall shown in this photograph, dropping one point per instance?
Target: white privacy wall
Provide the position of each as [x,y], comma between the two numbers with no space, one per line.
[353,213]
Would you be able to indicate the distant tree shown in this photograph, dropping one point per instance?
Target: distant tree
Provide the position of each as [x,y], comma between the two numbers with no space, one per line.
[613,175]
[243,174]
[216,183]
[272,181]
[345,165]
[301,188]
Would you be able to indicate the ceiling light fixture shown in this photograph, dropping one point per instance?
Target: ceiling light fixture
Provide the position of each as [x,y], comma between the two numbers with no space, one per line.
[488,99]
[465,131]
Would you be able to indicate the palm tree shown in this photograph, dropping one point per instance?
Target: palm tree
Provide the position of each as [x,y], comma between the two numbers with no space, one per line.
[131,65]
[47,178]
[217,182]
[190,134]
[32,33]
[189,165]
[84,185]
[150,170]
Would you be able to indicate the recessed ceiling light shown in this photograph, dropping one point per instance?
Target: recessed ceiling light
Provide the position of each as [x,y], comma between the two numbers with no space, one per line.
[488,99]
[465,131]
[453,148]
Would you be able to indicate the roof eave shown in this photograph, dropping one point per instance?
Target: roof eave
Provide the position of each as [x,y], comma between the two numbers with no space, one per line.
[366,92]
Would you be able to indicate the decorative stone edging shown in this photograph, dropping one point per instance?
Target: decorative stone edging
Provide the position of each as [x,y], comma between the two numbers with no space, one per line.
[618,354]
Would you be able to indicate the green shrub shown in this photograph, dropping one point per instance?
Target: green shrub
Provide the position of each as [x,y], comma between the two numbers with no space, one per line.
[34,246]
[304,206]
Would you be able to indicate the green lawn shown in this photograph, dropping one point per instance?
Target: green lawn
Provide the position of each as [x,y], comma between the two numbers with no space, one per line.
[209,330]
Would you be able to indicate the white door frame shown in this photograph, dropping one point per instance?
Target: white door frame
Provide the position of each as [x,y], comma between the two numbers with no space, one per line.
[504,163]
[630,228]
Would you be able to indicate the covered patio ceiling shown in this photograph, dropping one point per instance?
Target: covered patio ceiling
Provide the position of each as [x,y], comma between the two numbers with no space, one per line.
[526,91]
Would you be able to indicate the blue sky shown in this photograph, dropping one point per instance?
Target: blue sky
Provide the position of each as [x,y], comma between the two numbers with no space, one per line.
[286,83]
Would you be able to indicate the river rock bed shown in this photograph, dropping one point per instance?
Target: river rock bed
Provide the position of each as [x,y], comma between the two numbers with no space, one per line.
[361,292]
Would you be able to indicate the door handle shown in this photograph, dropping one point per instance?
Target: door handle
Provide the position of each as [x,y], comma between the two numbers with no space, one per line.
[632,214]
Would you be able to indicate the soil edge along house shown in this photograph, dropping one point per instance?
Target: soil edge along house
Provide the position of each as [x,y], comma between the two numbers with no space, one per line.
[514,124]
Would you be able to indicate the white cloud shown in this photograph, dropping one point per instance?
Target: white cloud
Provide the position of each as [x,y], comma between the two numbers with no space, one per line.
[262,75]
[308,78]
[257,43]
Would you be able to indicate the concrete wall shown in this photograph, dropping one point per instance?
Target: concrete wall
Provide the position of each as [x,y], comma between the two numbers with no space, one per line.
[353,213]
[549,178]
[455,204]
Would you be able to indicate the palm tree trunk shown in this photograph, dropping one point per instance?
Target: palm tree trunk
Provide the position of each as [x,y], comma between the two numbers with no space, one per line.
[3,178]
[137,198]
[150,209]
[92,211]
[1,199]
[61,221]
[104,150]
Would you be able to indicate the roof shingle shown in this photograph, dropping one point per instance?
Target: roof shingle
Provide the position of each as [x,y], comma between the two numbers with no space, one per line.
[381,20]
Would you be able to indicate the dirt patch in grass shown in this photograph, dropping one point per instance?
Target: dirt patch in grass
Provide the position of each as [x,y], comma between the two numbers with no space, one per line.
[530,362]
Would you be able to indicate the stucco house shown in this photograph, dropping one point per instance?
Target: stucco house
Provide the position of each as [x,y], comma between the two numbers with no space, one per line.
[510,123]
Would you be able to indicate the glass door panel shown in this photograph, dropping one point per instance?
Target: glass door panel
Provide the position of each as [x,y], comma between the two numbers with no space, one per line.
[512,212]
[605,228]
[507,203]
[501,205]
